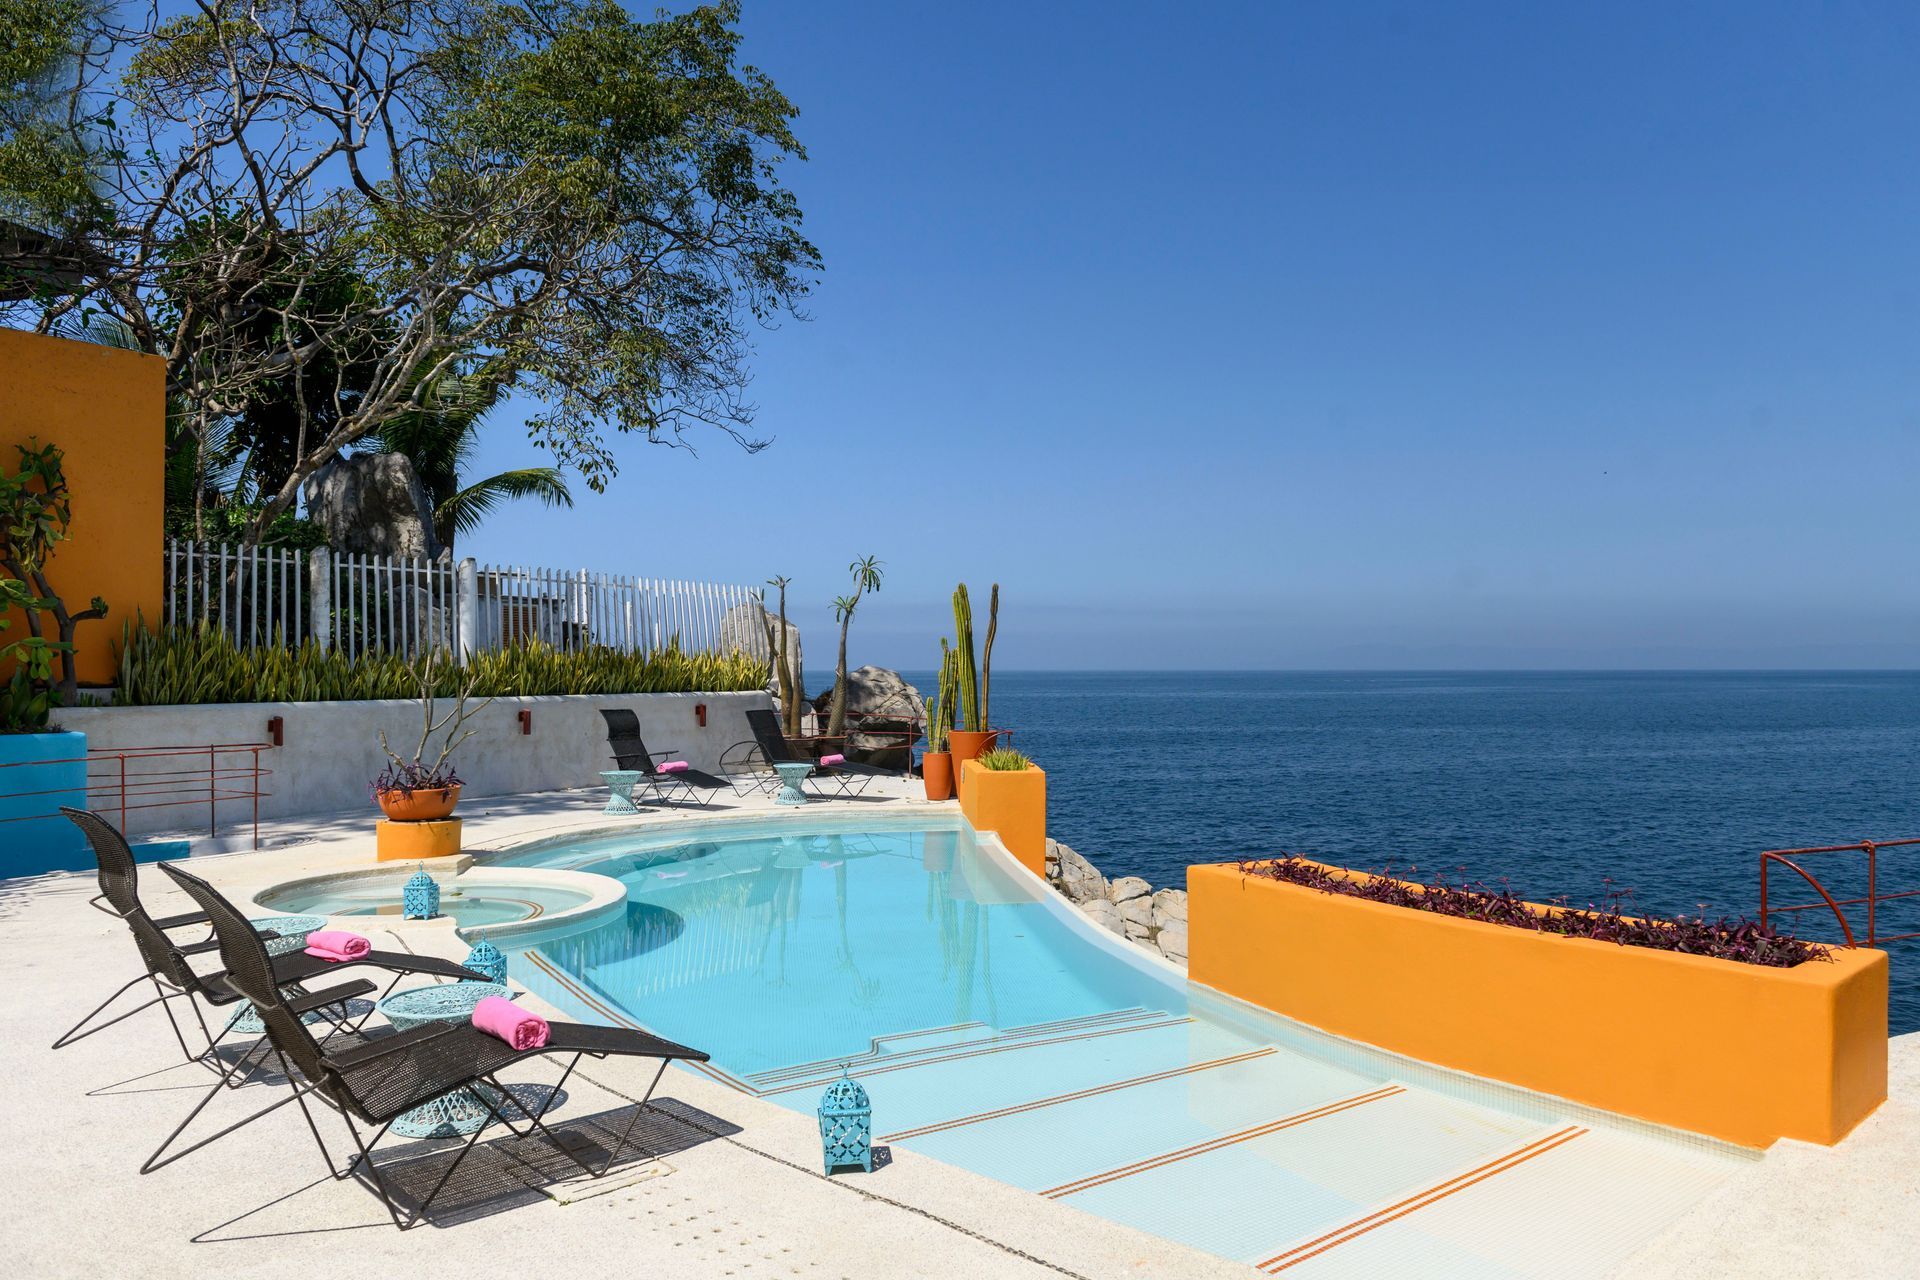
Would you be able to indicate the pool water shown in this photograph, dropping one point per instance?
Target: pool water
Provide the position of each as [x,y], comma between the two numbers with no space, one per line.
[380,896]
[992,1033]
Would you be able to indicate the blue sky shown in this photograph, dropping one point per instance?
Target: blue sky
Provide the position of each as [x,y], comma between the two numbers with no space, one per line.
[1329,336]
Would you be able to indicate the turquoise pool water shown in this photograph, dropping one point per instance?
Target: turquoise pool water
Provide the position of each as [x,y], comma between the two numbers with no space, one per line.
[493,904]
[992,1033]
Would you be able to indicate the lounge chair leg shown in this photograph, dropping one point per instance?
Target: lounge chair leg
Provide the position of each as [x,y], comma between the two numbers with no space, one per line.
[154,1161]
[74,1033]
[379,1183]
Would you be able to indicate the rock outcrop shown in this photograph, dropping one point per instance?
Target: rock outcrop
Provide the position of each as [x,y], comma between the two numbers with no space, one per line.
[887,712]
[373,504]
[746,627]
[1128,906]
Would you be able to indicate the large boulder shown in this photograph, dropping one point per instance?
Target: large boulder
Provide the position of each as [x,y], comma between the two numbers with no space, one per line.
[884,716]
[373,504]
[749,627]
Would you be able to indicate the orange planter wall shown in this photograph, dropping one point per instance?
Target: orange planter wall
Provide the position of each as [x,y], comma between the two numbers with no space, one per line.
[106,408]
[1740,1052]
[1012,804]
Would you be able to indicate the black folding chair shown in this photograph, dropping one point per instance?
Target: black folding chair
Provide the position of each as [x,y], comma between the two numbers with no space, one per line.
[378,1081]
[769,747]
[631,755]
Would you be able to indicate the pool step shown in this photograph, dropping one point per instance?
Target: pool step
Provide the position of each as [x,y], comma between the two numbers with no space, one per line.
[903,1046]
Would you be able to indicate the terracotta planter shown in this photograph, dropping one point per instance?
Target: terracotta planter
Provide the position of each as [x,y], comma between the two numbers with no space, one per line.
[426,805]
[967,744]
[936,772]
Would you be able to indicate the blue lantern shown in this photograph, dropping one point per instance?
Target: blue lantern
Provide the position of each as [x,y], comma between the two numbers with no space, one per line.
[486,958]
[420,899]
[846,1124]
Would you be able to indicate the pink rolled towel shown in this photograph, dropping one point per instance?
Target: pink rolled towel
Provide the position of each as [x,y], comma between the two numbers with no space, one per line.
[503,1018]
[672,766]
[337,945]
[833,759]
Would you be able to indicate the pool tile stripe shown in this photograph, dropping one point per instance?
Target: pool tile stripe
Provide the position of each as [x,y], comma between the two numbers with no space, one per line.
[1381,1217]
[1011,1047]
[780,1075]
[1058,1098]
[1224,1140]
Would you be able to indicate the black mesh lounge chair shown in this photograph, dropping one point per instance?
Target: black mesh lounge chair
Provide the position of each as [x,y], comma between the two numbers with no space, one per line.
[377,1081]
[630,754]
[769,747]
[166,960]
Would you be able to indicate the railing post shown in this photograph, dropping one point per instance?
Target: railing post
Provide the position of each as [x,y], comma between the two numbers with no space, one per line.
[320,597]
[466,609]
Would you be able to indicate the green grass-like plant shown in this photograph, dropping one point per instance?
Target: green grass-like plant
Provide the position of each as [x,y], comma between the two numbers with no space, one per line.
[176,666]
[1005,760]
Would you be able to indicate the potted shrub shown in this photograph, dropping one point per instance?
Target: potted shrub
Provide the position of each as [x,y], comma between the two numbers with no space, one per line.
[971,736]
[409,789]
[936,766]
[1005,792]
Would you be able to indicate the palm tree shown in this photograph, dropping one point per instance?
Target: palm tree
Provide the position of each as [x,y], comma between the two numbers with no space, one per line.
[866,577]
[440,441]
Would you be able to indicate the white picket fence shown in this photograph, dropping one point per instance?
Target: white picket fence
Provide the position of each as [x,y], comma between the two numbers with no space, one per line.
[373,604]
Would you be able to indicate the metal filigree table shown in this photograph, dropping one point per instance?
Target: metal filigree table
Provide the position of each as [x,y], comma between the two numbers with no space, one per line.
[455,1114]
[293,931]
[792,774]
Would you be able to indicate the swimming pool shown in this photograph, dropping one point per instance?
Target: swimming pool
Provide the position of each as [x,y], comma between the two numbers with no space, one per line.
[995,1029]
[470,905]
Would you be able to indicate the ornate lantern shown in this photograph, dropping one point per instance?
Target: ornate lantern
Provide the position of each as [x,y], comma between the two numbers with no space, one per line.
[846,1124]
[486,958]
[420,899]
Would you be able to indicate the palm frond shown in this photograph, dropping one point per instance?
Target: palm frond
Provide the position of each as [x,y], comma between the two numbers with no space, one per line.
[466,509]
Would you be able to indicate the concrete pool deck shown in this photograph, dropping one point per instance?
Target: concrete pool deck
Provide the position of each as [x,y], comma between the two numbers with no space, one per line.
[736,1188]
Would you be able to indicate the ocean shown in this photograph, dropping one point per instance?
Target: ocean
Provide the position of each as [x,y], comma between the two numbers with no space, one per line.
[1661,788]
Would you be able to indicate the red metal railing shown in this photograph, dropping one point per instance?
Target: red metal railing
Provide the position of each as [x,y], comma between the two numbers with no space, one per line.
[129,780]
[1872,899]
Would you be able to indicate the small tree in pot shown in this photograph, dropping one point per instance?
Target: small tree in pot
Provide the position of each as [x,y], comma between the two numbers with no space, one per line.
[408,788]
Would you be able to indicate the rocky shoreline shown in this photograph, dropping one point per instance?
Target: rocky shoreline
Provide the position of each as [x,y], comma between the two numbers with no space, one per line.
[1128,905]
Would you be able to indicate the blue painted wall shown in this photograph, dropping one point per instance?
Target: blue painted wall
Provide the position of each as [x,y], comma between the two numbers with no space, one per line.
[39,772]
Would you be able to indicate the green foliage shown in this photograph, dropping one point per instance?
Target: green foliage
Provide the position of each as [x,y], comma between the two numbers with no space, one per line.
[182,665]
[36,515]
[969,706]
[229,522]
[47,172]
[941,708]
[1005,760]
[27,699]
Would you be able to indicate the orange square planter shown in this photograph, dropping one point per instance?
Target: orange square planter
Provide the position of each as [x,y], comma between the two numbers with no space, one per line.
[1741,1052]
[413,841]
[1011,804]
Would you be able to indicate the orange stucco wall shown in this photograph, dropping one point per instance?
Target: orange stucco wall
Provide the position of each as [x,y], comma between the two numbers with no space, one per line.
[1013,804]
[1741,1052]
[106,408]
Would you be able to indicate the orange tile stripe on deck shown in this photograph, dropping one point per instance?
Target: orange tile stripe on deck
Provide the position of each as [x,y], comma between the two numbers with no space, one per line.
[1058,1098]
[1224,1140]
[982,1052]
[1381,1217]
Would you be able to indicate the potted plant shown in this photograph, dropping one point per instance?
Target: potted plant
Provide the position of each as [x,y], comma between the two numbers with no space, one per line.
[936,766]
[1004,792]
[408,788]
[972,736]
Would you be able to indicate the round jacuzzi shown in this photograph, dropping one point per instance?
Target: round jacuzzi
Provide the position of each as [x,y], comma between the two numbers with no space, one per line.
[480,901]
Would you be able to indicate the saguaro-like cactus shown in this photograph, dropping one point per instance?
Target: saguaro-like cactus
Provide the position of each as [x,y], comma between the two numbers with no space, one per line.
[986,658]
[940,710]
[969,669]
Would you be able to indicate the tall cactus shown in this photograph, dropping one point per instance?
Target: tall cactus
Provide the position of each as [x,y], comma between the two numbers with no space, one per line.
[940,710]
[986,658]
[969,669]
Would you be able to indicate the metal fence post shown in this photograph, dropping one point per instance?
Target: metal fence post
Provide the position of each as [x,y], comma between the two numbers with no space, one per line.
[320,597]
[466,609]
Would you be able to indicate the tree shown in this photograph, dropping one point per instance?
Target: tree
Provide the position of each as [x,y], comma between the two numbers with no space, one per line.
[866,577]
[546,194]
[787,681]
[36,514]
[439,441]
[47,168]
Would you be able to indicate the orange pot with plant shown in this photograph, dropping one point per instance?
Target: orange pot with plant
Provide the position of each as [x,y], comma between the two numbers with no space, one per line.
[972,685]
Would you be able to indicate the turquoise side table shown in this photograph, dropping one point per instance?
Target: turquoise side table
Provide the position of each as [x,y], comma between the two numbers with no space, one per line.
[293,931]
[792,774]
[455,1114]
[620,782]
